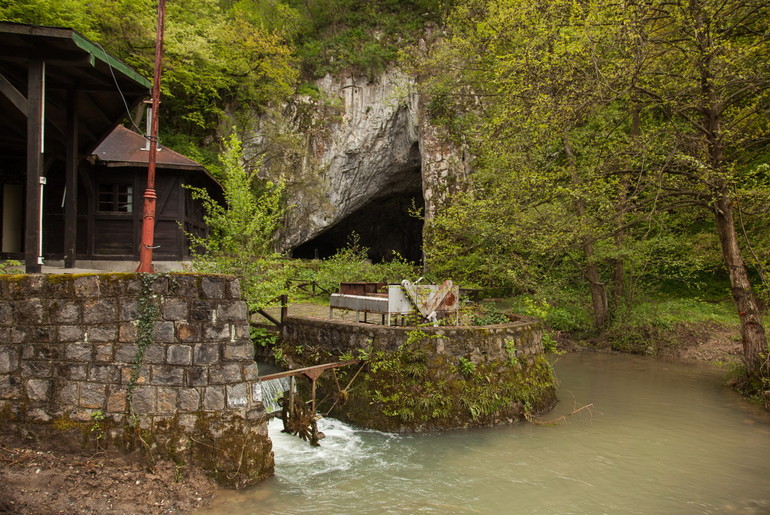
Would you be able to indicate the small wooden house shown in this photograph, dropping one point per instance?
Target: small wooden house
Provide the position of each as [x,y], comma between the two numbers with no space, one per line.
[61,95]
[111,201]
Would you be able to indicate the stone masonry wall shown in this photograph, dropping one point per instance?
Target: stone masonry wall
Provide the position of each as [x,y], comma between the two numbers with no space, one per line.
[479,344]
[72,358]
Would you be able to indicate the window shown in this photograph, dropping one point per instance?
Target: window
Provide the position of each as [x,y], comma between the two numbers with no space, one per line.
[115,198]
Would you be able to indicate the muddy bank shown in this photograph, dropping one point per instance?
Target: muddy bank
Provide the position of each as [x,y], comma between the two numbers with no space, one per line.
[36,481]
[704,341]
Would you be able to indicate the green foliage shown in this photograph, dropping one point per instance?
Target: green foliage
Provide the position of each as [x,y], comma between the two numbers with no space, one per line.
[351,264]
[466,366]
[262,337]
[11,266]
[241,232]
[489,315]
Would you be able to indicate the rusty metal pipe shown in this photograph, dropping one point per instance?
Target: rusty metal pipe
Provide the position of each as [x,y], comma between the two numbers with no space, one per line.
[148,217]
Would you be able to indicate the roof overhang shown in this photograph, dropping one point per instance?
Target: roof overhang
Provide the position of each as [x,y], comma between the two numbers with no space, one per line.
[78,73]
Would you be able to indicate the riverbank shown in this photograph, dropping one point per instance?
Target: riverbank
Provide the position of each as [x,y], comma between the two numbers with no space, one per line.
[34,479]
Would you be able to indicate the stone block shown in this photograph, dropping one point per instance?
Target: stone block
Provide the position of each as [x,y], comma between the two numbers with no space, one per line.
[155,354]
[202,311]
[250,372]
[12,335]
[127,332]
[196,376]
[6,314]
[86,286]
[186,332]
[59,287]
[100,311]
[41,334]
[206,353]
[217,332]
[103,333]
[43,351]
[185,286]
[234,289]
[10,388]
[28,312]
[163,332]
[38,415]
[116,401]
[64,312]
[71,371]
[214,398]
[104,374]
[9,359]
[70,333]
[242,331]
[175,309]
[67,396]
[144,400]
[225,373]
[93,396]
[239,351]
[238,395]
[159,285]
[77,352]
[37,369]
[104,352]
[37,389]
[125,352]
[133,287]
[166,375]
[256,392]
[212,288]
[142,378]
[167,400]
[189,400]
[129,310]
[179,355]
[233,311]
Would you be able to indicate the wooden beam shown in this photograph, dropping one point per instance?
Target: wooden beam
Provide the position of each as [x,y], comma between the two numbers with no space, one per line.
[13,94]
[313,371]
[35,124]
[71,198]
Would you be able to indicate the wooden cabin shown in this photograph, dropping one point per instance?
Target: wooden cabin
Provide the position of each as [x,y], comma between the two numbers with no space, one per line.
[111,200]
[61,95]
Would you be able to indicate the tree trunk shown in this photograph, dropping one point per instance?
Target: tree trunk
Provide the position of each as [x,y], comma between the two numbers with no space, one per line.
[752,332]
[598,290]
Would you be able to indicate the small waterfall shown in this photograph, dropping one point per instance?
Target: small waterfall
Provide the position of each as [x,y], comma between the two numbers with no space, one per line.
[272,390]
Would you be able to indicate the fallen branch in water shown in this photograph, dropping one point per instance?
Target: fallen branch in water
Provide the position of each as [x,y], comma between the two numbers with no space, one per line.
[558,420]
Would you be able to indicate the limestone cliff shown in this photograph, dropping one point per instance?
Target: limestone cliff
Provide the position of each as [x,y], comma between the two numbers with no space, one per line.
[358,156]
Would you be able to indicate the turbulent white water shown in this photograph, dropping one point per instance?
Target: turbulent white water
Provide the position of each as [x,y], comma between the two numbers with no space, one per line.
[272,391]
[660,438]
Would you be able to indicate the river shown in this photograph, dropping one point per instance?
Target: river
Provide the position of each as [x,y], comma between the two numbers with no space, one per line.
[661,437]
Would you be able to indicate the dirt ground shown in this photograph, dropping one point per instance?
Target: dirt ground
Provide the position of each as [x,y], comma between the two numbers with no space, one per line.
[34,481]
[40,481]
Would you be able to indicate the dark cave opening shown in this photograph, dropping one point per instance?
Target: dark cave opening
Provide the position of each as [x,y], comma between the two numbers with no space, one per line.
[384,225]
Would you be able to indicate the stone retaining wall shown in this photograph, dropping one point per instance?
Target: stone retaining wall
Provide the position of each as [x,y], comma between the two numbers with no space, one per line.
[479,344]
[426,378]
[105,358]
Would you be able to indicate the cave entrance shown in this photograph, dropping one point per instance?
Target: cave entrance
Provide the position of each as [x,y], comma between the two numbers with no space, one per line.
[384,225]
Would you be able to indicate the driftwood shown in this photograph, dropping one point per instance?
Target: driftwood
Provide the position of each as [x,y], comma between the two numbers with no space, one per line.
[561,419]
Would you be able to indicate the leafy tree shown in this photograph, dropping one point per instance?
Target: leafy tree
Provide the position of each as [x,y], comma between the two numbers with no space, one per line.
[604,115]
[240,241]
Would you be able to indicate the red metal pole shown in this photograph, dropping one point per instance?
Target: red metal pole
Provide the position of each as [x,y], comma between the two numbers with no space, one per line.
[148,220]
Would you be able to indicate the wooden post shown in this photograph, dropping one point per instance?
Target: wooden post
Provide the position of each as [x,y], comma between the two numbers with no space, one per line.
[70,201]
[35,125]
[284,308]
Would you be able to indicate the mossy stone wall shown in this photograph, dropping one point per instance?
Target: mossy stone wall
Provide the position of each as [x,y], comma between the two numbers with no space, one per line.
[162,363]
[427,378]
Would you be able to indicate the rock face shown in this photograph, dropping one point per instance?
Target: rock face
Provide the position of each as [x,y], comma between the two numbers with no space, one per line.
[364,155]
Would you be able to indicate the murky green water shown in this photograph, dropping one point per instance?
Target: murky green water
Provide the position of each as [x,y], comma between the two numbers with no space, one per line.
[660,438]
